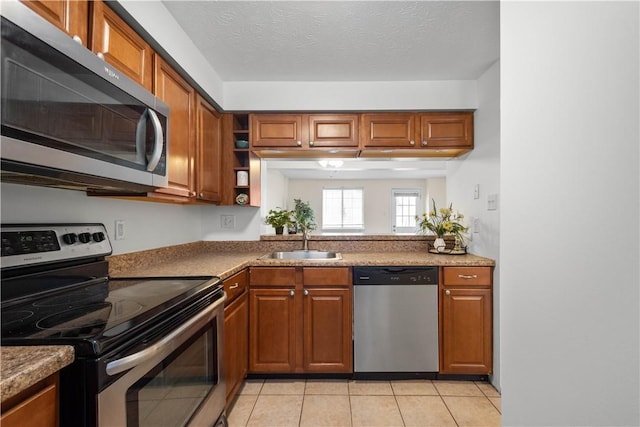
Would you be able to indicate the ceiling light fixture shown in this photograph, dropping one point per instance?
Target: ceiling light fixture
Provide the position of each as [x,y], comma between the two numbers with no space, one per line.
[330,163]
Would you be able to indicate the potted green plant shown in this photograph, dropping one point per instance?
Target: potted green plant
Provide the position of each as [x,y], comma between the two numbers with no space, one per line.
[278,218]
[304,216]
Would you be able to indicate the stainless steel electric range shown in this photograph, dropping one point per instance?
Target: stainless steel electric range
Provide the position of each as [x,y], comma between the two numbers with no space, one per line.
[148,351]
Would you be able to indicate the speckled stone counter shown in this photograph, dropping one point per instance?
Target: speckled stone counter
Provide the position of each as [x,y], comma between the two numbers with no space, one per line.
[225,264]
[21,367]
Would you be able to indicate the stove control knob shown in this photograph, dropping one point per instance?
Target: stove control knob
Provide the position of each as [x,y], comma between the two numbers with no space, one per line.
[98,237]
[70,238]
[84,237]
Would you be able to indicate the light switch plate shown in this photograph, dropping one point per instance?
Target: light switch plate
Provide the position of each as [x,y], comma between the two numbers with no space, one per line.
[492,202]
[476,191]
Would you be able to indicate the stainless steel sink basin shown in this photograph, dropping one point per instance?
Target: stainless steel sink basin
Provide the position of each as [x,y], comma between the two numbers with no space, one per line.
[313,255]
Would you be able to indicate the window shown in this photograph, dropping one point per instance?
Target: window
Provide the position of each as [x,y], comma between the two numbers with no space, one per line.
[404,208]
[342,209]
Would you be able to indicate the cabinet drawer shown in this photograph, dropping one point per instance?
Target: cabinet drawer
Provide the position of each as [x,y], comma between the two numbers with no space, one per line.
[273,276]
[467,276]
[37,410]
[323,276]
[235,285]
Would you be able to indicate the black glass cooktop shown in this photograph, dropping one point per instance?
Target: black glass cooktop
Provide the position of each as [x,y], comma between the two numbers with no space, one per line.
[103,313]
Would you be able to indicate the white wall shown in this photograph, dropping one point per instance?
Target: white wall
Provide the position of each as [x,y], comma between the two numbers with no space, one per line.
[160,24]
[482,167]
[377,198]
[247,220]
[147,225]
[336,96]
[569,213]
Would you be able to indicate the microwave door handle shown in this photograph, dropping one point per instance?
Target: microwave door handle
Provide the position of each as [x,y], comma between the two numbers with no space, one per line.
[159,142]
[141,130]
[167,344]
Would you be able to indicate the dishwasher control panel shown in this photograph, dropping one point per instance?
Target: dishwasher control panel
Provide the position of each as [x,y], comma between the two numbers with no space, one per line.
[401,275]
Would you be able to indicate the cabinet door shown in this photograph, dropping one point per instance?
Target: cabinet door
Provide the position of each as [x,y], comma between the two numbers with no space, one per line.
[327,330]
[333,130]
[180,96]
[120,45]
[209,150]
[388,130]
[37,409]
[466,329]
[71,16]
[276,130]
[272,330]
[446,130]
[236,344]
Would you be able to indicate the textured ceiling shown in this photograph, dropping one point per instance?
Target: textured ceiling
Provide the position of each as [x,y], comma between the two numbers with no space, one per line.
[343,40]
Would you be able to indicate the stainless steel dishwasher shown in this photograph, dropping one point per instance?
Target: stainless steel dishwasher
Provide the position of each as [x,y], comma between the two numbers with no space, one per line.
[395,322]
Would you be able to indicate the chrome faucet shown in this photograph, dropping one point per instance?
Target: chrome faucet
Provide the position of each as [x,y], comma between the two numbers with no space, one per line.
[305,240]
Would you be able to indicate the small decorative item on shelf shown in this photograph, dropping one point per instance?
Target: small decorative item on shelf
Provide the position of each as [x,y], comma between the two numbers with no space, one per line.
[242,199]
[242,178]
[279,219]
[242,143]
[443,223]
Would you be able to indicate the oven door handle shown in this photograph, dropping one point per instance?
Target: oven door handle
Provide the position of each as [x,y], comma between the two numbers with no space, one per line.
[167,343]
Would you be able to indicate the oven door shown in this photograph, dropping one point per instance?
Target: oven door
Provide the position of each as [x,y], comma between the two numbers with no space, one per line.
[177,381]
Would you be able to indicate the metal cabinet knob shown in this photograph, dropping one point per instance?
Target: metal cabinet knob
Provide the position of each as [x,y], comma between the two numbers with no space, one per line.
[311,143]
[77,39]
[412,142]
[292,292]
[447,292]
[424,143]
[299,143]
[306,292]
[201,195]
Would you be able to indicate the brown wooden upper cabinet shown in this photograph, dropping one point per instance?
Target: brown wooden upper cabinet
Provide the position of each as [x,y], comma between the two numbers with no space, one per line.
[305,132]
[119,45]
[426,134]
[174,90]
[71,16]
[209,152]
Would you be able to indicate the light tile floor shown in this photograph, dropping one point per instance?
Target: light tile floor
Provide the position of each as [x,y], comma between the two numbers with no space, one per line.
[281,403]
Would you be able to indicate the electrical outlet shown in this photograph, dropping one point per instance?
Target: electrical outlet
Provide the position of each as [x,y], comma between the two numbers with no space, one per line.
[228,221]
[119,231]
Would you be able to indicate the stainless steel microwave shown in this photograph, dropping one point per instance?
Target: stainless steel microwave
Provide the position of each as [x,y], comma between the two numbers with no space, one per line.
[69,119]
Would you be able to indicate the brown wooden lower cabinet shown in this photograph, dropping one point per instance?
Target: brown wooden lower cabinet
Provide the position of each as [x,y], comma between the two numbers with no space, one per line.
[36,406]
[466,311]
[300,320]
[236,333]
[327,330]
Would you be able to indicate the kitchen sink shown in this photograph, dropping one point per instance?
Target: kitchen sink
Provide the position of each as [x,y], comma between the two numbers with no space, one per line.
[312,255]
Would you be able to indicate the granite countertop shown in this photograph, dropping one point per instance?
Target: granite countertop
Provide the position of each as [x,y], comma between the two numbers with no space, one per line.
[225,264]
[21,367]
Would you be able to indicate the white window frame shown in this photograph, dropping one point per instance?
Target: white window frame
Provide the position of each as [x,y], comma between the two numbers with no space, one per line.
[404,191]
[342,228]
